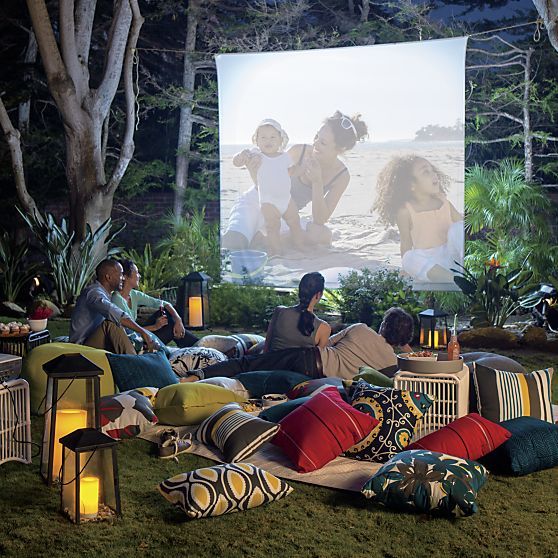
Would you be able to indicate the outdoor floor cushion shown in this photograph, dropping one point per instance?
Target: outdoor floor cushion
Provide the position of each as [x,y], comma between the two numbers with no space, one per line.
[236,433]
[192,358]
[191,403]
[223,489]
[228,383]
[468,437]
[261,382]
[503,395]
[373,377]
[309,386]
[33,372]
[321,429]
[135,371]
[428,482]
[533,446]
[233,346]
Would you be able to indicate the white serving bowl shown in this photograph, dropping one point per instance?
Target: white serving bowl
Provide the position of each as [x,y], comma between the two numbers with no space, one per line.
[271,399]
[37,325]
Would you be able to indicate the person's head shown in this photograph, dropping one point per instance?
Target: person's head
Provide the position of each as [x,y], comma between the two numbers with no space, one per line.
[403,179]
[269,137]
[109,274]
[397,327]
[131,273]
[338,134]
[310,288]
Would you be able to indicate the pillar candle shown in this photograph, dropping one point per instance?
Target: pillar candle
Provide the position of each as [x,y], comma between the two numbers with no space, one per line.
[89,496]
[67,420]
[195,316]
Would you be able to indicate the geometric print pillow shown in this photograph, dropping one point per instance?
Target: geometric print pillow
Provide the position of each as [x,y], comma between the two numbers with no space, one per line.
[126,414]
[428,482]
[221,489]
[398,412]
[507,395]
[236,433]
[193,358]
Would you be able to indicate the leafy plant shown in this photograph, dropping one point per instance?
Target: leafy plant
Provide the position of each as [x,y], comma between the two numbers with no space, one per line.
[72,265]
[156,271]
[13,272]
[494,295]
[366,295]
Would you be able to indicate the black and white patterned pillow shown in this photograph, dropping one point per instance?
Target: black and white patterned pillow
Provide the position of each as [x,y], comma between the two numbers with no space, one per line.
[194,358]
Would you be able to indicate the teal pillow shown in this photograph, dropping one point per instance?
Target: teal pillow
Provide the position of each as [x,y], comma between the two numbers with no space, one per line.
[428,482]
[533,446]
[278,412]
[136,371]
[260,382]
[373,377]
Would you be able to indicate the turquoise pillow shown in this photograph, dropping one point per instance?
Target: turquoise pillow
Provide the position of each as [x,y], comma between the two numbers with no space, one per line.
[260,382]
[278,412]
[533,446]
[136,371]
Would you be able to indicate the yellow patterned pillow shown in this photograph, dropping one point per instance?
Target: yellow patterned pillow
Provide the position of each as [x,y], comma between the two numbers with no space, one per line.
[223,489]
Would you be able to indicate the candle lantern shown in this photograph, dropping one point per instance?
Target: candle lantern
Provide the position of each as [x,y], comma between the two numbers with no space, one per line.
[434,333]
[71,402]
[90,487]
[193,300]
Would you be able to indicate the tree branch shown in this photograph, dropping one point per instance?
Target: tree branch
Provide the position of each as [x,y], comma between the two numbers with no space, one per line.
[497,140]
[68,46]
[548,10]
[502,114]
[84,16]
[14,142]
[127,148]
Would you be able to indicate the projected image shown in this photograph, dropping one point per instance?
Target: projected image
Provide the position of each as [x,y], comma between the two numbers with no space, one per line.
[343,159]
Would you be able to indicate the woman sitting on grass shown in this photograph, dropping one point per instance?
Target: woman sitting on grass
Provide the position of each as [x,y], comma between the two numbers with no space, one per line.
[298,326]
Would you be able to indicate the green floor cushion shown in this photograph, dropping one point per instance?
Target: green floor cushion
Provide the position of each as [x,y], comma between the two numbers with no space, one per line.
[125,415]
[260,382]
[135,371]
[503,395]
[32,371]
[236,433]
[308,387]
[533,446]
[191,402]
[222,489]
[398,412]
[373,377]
[428,482]
[193,358]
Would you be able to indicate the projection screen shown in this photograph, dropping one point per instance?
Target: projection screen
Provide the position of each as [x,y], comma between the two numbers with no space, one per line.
[302,190]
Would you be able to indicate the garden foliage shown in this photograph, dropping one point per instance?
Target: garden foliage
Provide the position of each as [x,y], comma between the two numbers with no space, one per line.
[14,272]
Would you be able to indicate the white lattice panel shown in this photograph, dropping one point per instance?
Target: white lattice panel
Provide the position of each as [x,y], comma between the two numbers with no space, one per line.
[15,422]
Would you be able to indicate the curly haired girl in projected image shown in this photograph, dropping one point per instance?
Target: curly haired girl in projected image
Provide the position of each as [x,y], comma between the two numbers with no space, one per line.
[411,193]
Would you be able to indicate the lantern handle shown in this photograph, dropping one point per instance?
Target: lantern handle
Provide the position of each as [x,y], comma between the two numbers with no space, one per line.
[61,395]
[79,474]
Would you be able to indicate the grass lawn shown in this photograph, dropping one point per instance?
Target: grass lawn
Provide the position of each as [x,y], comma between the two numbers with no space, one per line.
[517,516]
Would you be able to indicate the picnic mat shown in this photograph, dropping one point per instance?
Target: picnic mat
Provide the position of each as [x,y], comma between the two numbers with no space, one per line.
[341,473]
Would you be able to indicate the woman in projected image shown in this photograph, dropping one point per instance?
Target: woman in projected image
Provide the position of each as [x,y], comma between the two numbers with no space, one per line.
[411,192]
[320,177]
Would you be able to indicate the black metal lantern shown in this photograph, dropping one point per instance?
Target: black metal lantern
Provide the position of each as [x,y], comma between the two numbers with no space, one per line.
[90,488]
[193,300]
[434,333]
[71,402]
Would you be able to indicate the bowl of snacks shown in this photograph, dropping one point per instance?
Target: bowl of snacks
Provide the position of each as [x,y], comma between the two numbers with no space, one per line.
[271,399]
[429,363]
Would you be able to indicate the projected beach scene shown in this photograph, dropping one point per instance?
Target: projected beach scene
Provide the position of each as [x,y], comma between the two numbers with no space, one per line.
[343,159]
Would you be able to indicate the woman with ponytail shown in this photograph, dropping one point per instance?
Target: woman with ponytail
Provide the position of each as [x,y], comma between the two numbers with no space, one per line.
[298,326]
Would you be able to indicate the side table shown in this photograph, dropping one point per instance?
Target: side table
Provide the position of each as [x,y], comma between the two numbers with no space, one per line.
[449,391]
[15,421]
[20,345]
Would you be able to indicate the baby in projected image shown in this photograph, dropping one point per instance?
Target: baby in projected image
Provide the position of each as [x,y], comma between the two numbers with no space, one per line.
[272,177]
[411,193]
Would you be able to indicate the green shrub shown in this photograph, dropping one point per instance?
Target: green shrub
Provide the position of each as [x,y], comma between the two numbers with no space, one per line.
[245,306]
[366,295]
[14,273]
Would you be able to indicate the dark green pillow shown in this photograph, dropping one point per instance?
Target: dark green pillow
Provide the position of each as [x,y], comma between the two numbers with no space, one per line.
[278,412]
[533,446]
[373,377]
[137,371]
[260,382]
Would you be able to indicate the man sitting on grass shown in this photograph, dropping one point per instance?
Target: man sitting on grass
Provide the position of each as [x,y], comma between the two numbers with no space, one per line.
[97,322]
[348,350]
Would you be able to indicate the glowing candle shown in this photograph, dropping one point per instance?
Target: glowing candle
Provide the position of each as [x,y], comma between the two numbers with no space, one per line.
[421,339]
[89,496]
[435,344]
[195,315]
[67,420]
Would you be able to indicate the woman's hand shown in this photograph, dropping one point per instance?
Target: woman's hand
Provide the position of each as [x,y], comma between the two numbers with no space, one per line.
[160,322]
[178,330]
[313,171]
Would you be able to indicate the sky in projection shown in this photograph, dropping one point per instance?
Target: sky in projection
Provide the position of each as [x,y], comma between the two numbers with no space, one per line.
[397,90]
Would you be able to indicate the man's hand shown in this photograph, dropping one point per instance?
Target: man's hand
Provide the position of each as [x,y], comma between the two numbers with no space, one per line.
[149,343]
[178,331]
[161,321]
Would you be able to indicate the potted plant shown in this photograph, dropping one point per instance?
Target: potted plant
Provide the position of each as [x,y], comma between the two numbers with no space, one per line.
[38,317]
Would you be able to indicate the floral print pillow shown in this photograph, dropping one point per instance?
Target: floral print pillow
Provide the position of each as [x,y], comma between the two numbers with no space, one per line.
[428,482]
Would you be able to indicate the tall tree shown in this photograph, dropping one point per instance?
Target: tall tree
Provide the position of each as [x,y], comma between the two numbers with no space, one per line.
[83,108]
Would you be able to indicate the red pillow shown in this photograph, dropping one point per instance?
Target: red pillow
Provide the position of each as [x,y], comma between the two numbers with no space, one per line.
[322,429]
[468,437]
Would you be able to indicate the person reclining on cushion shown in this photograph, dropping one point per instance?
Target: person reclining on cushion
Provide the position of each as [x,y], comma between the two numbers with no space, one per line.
[97,322]
[348,350]
[167,326]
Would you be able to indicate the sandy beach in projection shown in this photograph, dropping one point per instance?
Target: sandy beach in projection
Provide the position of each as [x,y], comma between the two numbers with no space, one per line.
[359,241]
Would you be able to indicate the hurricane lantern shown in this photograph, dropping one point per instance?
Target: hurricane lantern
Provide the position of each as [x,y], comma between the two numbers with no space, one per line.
[193,300]
[434,333]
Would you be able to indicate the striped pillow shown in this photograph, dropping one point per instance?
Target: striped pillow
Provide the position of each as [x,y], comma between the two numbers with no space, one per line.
[505,395]
[236,433]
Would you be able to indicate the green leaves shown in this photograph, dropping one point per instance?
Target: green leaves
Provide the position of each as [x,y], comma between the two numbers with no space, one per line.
[14,273]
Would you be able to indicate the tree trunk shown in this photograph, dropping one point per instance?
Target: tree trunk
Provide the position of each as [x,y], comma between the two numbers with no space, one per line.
[548,10]
[527,135]
[25,106]
[185,129]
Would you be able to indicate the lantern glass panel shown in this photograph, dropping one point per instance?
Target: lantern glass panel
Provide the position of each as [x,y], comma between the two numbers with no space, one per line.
[433,329]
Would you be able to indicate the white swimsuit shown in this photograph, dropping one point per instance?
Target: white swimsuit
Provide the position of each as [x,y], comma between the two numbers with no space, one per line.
[274,182]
